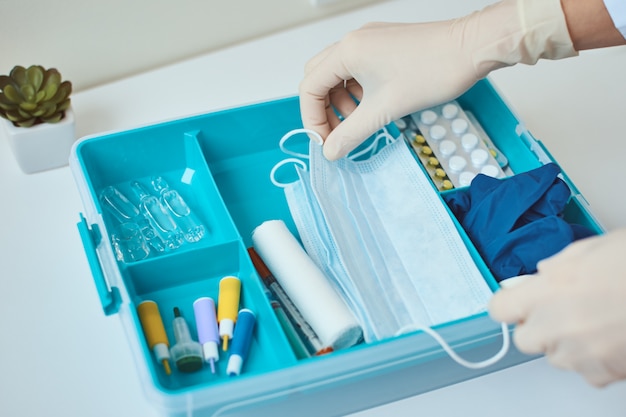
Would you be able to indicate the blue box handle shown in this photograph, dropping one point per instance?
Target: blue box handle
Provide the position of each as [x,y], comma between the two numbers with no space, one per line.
[110,298]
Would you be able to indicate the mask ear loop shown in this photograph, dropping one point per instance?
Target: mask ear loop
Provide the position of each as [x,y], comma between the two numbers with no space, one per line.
[281,144]
[285,161]
[374,145]
[506,342]
[313,135]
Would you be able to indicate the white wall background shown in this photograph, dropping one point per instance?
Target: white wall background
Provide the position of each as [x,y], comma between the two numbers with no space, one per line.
[95,41]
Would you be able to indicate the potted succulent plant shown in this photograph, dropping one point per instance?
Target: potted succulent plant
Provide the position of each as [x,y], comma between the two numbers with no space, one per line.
[39,121]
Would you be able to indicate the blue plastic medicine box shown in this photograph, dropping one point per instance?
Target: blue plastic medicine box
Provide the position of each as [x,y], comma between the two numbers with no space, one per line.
[220,164]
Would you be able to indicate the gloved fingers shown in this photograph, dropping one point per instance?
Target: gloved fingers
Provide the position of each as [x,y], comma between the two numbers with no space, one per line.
[610,368]
[352,131]
[592,355]
[327,73]
[355,89]
[560,354]
[574,357]
[550,331]
[527,339]
[512,305]
[524,304]
[597,374]
[332,117]
[341,99]
[318,111]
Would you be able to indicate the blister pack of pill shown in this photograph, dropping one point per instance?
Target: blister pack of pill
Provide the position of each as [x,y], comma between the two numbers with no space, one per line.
[431,163]
[450,146]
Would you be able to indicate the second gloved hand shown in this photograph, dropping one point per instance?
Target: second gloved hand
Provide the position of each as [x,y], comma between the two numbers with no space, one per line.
[395,69]
[573,309]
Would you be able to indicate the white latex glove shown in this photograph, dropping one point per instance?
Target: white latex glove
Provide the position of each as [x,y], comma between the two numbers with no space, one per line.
[396,69]
[574,309]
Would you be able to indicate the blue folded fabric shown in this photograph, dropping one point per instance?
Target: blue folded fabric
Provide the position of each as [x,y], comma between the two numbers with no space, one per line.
[517,221]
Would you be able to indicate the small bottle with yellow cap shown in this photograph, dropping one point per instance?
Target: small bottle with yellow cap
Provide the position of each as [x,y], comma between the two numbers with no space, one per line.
[228,307]
[154,331]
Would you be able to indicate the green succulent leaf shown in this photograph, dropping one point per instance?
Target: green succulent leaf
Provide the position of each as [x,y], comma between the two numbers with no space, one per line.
[24,113]
[65,89]
[28,106]
[50,90]
[5,103]
[44,109]
[51,82]
[35,75]
[18,73]
[53,119]
[26,123]
[28,92]
[50,111]
[40,96]
[13,94]
[64,106]
[14,116]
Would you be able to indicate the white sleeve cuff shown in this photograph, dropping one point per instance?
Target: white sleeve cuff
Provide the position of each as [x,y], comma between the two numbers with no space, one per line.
[617,10]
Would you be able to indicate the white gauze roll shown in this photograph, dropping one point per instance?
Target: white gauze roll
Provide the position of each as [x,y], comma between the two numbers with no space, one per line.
[306,285]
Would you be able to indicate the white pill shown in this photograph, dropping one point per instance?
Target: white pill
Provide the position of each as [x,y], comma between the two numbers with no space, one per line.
[490,170]
[447,147]
[459,126]
[401,124]
[437,132]
[465,178]
[457,163]
[428,117]
[479,157]
[449,111]
[469,141]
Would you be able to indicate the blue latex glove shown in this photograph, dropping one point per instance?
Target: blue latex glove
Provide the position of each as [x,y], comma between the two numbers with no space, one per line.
[518,221]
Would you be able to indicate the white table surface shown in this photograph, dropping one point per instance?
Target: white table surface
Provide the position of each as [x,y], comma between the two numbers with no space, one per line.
[60,356]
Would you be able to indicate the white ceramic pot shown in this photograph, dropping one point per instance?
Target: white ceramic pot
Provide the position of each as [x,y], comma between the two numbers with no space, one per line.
[44,146]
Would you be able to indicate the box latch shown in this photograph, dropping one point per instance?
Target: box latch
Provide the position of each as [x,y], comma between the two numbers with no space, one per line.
[110,297]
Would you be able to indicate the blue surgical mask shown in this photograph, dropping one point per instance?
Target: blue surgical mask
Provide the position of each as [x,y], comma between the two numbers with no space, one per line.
[375,225]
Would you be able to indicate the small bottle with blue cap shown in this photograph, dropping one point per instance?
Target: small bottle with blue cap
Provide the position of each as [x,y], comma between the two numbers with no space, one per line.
[242,339]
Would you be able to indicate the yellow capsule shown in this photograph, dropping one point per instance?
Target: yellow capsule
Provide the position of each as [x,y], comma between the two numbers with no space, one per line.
[439,172]
[426,150]
[447,185]
[419,139]
[432,161]
[493,153]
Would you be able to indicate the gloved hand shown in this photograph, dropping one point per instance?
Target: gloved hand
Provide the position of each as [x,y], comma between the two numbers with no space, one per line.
[396,69]
[574,310]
